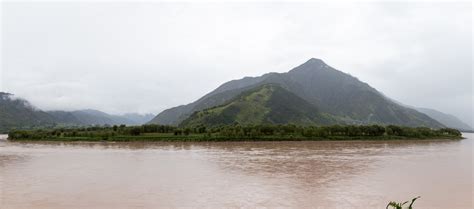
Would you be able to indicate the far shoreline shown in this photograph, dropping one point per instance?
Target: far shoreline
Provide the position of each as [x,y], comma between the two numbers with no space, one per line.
[287,132]
[222,140]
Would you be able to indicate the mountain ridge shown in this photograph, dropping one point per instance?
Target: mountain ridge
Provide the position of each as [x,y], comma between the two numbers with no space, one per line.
[265,104]
[448,120]
[18,113]
[329,89]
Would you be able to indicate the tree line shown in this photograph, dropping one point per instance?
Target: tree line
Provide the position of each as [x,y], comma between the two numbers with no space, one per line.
[236,131]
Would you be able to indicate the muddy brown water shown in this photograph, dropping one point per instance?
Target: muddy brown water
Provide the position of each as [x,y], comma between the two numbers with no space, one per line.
[344,174]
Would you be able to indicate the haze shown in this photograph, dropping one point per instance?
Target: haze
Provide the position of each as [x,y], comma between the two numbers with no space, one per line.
[146,57]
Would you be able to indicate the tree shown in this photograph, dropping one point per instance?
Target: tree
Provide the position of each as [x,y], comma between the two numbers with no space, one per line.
[187,131]
[135,131]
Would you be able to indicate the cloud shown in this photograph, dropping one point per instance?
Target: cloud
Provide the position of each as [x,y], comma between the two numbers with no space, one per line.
[145,57]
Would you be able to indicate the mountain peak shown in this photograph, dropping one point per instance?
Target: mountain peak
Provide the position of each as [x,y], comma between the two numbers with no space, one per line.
[312,65]
[315,61]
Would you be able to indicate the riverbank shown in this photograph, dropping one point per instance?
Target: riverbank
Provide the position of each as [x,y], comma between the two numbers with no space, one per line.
[235,133]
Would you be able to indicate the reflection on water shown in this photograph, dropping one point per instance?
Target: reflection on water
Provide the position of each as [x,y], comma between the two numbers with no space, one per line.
[353,174]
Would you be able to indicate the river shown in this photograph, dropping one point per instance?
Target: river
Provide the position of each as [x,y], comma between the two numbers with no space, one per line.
[341,174]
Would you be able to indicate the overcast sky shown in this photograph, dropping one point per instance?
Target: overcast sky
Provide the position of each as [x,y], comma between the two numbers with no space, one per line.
[146,57]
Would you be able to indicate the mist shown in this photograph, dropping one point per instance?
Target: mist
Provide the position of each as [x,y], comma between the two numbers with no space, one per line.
[147,57]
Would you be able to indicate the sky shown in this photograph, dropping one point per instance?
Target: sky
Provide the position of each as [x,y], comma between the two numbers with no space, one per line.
[145,57]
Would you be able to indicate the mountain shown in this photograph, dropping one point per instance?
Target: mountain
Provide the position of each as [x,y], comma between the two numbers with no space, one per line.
[265,104]
[19,113]
[95,117]
[331,91]
[224,93]
[87,117]
[446,119]
[138,119]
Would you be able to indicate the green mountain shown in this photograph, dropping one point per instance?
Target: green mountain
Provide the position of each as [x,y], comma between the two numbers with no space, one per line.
[19,113]
[265,104]
[331,91]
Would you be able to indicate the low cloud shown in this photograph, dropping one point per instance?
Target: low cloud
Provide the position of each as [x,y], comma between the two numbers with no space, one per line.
[146,57]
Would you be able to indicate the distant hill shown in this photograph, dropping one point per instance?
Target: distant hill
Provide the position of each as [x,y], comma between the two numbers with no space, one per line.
[265,104]
[95,117]
[331,91]
[446,119]
[138,119]
[19,113]
[88,117]
[16,113]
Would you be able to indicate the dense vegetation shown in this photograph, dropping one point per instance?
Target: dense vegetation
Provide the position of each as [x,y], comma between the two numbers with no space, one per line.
[153,132]
[266,104]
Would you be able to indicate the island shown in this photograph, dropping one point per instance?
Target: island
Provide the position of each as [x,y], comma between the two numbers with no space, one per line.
[236,132]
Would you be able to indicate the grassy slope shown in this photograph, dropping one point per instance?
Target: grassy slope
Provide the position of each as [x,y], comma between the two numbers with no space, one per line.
[266,104]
